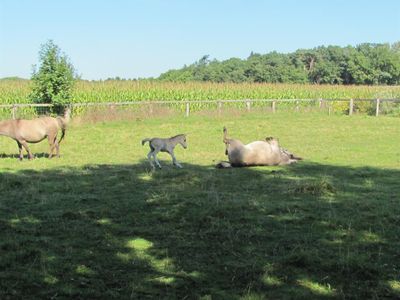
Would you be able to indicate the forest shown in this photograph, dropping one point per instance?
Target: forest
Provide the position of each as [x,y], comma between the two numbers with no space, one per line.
[364,64]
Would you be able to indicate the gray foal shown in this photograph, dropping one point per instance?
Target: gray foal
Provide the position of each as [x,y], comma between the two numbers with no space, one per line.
[165,145]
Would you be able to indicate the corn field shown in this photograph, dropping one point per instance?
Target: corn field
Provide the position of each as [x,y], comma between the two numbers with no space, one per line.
[17,92]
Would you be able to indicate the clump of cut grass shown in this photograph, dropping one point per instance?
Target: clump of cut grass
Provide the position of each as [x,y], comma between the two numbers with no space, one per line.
[319,187]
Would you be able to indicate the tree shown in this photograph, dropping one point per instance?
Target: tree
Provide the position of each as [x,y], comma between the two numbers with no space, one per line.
[54,79]
[364,64]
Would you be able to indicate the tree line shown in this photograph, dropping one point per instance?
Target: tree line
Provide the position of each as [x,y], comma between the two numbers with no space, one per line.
[366,63]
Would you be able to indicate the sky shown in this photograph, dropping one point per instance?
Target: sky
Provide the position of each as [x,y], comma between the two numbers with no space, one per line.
[144,38]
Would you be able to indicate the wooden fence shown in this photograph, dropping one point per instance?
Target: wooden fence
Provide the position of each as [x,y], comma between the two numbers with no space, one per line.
[247,104]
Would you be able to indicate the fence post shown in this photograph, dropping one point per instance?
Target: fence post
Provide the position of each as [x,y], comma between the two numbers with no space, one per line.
[248,105]
[351,105]
[297,105]
[219,106]
[273,106]
[320,104]
[377,107]
[187,109]
[13,111]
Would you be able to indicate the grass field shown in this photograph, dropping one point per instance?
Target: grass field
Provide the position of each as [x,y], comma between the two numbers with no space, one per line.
[98,223]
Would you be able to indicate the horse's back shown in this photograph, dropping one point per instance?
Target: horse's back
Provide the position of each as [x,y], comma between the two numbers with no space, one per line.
[161,144]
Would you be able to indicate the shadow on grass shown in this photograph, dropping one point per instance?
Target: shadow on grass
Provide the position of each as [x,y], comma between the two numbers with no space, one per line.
[121,231]
[16,155]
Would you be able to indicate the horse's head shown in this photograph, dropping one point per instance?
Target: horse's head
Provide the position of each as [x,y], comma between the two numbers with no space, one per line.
[67,111]
[67,114]
[183,141]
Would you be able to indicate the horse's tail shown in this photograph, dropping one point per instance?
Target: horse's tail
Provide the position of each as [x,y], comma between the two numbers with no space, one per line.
[145,141]
[63,122]
[296,157]
[62,135]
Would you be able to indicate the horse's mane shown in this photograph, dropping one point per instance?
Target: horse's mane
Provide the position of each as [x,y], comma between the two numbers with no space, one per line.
[176,136]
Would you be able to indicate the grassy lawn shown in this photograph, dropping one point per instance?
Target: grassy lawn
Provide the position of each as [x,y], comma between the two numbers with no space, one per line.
[98,223]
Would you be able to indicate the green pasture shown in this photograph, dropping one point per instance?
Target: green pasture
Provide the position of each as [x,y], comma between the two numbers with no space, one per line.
[98,223]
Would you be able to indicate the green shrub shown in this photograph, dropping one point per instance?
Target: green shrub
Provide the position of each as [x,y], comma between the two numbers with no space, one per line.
[54,79]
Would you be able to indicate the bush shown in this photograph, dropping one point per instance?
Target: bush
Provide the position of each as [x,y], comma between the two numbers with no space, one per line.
[54,79]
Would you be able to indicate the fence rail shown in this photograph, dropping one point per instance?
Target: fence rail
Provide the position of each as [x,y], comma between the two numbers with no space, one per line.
[218,103]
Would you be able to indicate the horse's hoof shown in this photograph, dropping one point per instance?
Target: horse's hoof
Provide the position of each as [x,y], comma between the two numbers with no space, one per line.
[223,165]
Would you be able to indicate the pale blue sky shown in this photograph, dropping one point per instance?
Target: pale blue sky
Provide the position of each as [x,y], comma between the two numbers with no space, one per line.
[142,38]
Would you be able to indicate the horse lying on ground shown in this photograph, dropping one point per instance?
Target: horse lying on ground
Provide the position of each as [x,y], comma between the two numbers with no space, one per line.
[258,153]
[165,145]
[36,130]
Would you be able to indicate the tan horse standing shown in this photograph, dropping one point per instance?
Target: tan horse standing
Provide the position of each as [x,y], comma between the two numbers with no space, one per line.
[35,131]
[258,153]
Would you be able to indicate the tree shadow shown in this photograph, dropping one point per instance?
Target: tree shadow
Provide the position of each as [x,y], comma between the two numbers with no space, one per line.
[124,231]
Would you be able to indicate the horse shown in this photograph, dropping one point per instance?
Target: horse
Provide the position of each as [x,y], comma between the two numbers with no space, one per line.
[35,131]
[164,145]
[258,153]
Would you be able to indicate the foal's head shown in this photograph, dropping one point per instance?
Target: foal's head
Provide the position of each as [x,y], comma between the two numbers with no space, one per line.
[181,138]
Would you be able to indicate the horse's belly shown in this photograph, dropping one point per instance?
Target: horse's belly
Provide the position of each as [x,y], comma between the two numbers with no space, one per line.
[32,136]
[260,153]
[258,159]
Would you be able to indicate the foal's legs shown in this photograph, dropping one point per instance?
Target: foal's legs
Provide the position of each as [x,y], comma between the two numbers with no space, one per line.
[153,152]
[174,161]
[155,157]
[149,158]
